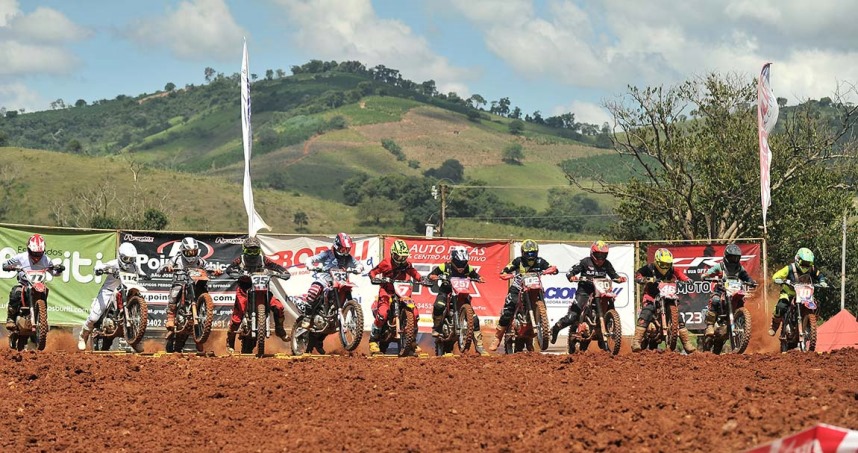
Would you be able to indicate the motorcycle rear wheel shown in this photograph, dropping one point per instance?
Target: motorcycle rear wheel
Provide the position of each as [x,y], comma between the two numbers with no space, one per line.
[466,327]
[41,328]
[203,321]
[138,320]
[542,329]
[261,329]
[352,330]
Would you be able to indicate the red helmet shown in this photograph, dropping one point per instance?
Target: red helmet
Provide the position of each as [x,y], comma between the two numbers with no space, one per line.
[36,247]
[599,252]
[342,245]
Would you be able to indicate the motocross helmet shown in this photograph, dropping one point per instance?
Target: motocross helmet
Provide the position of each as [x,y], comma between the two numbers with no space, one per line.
[342,245]
[529,252]
[127,255]
[36,247]
[190,249]
[732,257]
[251,253]
[459,259]
[599,253]
[399,252]
[804,260]
[663,260]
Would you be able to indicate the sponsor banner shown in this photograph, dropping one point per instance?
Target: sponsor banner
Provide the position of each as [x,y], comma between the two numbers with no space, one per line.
[70,294]
[695,260]
[820,438]
[487,257]
[155,249]
[290,252]
[559,292]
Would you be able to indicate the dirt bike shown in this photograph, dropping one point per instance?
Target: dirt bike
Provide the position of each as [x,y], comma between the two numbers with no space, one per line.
[194,309]
[599,319]
[254,328]
[665,324]
[734,323]
[458,318]
[530,317]
[400,327]
[32,319]
[799,321]
[125,316]
[335,310]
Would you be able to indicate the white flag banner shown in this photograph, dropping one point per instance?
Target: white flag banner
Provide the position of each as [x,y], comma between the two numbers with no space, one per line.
[254,221]
[767,117]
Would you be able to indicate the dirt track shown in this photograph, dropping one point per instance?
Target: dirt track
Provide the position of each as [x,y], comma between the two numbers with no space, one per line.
[591,402]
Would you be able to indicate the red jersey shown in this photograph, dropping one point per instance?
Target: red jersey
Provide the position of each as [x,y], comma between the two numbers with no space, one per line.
[385,269]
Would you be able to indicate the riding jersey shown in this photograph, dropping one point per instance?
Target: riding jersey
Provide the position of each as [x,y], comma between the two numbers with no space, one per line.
[649,271]
[244,281]
[23,260]
[793,274]
[450,271]
[386,269]
[110,267]
[587,268]
[518,266]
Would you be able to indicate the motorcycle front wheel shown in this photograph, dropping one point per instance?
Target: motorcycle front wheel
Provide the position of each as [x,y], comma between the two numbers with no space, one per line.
[351,330]
[42,325]
[203,321]
[542,329]
[672,316]
[261,329]
[742,330]
[408,336]
[808,326]
[466,327]
[138,319]
[613,331]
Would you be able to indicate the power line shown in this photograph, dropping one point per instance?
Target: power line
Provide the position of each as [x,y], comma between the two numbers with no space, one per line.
[532,217]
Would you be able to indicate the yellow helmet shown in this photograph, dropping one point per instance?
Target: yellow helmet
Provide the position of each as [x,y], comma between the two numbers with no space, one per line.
[663,260]
[529,251]
[399,252]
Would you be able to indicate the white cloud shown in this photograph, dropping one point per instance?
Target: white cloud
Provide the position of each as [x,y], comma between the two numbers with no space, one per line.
[614,43]
[585,112]
[14,96]
[28,59]
[35,43]
[351,30]
[8,10]
[195,29]
[47,26]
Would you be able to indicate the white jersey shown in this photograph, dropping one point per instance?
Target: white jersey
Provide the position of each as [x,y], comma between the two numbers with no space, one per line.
[110,267]
[23,260]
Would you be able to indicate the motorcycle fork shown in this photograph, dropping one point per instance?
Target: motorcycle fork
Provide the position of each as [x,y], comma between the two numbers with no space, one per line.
[800,327]
[601,319]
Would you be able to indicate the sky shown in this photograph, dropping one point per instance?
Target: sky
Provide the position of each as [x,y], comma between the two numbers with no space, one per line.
[554,56]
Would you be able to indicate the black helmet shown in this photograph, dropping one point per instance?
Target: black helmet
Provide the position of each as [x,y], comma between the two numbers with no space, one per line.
[732,254]
[251,253]
[459,259]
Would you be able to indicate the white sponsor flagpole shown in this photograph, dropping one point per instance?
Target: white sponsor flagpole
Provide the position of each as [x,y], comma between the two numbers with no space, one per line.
[254,221]
[767,117]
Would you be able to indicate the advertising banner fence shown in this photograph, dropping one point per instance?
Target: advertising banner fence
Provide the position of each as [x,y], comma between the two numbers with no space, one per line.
[695,260]
[70,294]
[487,257]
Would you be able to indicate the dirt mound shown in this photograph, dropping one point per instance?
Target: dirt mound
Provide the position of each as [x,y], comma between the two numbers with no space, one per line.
[591,402]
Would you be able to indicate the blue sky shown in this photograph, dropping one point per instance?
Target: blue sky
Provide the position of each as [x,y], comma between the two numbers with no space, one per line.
[550,55]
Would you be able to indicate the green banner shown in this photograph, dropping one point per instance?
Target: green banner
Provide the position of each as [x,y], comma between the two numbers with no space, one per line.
[72,292]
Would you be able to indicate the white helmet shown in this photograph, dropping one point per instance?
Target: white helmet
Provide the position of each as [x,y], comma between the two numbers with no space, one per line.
[189,249]
[127,253]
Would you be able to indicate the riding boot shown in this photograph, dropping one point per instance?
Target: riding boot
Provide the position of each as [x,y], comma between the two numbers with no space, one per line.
[776,323]
[279,330]
[11,314]
[555,330]
[478,342]
[82,338]
[374,334]
[230,337]
[171,317]
[636,341]
[685,337]
[710,323]
[496,341]
[437,322]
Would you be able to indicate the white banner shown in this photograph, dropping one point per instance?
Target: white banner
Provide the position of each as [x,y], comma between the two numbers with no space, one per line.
[254,221]
[559,292]
[291,252]
[767,117]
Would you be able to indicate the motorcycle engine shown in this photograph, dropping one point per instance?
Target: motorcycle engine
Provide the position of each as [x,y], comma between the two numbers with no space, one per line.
[108,327]
[319,322]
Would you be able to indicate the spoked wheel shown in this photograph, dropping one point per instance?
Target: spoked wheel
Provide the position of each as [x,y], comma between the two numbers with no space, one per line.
[672,316]
[203,320]
[408,336]
[300,337]
[138,318]
[41,328]
[351,331]
[543,332]
[466,327]
[742,330]
[261,329]
[613,331]
[808,326]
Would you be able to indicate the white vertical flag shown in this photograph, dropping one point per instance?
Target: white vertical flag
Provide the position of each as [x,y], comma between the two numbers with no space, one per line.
[767,117]
[254,221]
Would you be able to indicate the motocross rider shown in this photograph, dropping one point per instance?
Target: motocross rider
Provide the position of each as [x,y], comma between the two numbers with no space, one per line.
[33,259]
[127,262]
[801,267]
[457,267]
[661,269]
[187,258]
[253,261]
[731,266]
[594,266]
[529,261]
[396,267]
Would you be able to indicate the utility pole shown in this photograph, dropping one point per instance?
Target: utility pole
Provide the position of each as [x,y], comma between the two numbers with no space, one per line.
[443,218]
[843,267]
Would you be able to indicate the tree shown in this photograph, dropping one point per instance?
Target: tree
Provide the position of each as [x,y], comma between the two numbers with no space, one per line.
[300,219]
[513,153]
[269,74]
[4,138]
[170,86]
[74,146]
[80,103]
[377,210]
[700,177]
[209,73]
[477,101]
[280,73]
[11,114]
[154,220]
[516,127]
[451,169]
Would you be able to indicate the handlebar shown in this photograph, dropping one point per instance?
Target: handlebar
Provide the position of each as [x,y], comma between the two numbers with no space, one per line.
[788,282]
[584,278]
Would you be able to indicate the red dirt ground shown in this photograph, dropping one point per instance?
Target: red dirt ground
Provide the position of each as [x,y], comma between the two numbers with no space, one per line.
[590,402]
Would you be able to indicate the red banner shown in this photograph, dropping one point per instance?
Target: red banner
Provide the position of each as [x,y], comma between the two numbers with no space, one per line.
[488,258]
[694,260]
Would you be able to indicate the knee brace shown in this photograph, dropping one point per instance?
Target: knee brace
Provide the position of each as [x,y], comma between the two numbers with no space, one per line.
[781,307]
[646,315]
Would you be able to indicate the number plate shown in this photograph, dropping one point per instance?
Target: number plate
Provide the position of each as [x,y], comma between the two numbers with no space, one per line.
[604,286]
[129,277]
[402,289]
[260,280]
[339,276]
[460,285]
[667,290]
[733,285]
[532,281]
[36,276]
